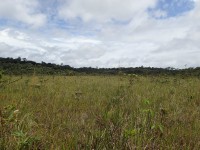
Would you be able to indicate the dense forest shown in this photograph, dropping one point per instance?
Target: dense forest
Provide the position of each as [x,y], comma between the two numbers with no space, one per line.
[22,66]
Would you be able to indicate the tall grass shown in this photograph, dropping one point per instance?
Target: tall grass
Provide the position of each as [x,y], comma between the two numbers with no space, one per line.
[97,112]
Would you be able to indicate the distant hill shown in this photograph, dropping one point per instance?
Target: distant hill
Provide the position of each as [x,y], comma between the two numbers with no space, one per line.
[22,66]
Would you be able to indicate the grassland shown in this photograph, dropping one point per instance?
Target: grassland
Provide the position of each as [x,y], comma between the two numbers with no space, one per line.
[100,112]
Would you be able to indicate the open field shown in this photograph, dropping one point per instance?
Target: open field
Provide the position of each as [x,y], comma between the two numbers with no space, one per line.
[100,112]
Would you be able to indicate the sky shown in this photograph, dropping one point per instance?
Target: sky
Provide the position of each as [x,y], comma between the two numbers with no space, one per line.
[102,33]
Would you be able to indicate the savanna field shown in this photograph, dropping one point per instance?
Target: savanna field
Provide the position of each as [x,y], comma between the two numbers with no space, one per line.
[99,112]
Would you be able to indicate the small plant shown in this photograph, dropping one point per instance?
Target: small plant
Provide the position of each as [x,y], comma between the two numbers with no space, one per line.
[132,78]
[78,95]
[24,141]
[12,128]
[151,125]
[130,133]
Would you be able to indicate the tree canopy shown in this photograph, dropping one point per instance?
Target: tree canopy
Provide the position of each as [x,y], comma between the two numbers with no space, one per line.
[22,66]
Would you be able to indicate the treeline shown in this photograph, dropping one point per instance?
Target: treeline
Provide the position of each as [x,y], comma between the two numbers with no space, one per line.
[22,66]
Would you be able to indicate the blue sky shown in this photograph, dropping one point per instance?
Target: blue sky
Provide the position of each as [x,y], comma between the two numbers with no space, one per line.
[174,7]
[103,33]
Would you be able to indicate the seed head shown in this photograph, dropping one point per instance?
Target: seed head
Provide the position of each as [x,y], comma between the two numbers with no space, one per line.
[16,112]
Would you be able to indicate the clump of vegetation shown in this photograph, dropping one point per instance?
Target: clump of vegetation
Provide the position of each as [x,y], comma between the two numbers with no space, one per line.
[100,112]
[14,132]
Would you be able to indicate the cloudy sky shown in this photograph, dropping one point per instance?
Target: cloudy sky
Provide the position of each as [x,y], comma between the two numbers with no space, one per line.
[102,33]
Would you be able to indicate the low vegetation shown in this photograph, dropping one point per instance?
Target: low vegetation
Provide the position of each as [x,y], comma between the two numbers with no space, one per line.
[99,112]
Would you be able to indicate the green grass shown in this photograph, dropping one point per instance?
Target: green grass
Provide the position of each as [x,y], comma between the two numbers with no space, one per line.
[100,112]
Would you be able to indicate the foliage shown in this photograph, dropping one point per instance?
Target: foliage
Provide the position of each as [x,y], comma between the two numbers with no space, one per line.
[13,131]
[23,66]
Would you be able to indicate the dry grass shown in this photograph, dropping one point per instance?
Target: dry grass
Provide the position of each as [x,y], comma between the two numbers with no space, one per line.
[96,112]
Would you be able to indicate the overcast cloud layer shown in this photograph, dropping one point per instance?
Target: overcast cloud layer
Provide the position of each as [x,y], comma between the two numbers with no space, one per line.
[103,33]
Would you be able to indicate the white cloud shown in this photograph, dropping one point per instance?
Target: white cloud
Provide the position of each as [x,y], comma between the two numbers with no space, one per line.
[104,10]
[24,11]
[159,13]
[126,36]
[70,50]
